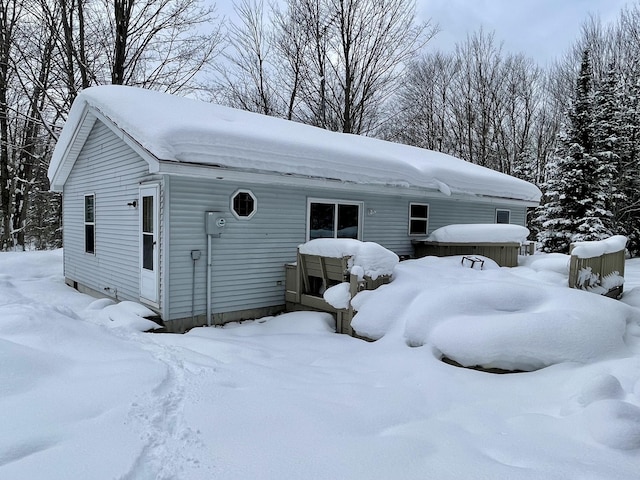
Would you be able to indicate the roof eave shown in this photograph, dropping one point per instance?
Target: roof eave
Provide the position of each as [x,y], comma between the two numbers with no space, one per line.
[81,132]
[72,149]
[222,173]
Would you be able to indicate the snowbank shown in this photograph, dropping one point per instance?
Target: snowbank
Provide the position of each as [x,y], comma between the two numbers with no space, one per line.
[127,315]
[79,400]
[614,423]
[480,233]
[491,317]
[613,244]
[183,130]
[367,258]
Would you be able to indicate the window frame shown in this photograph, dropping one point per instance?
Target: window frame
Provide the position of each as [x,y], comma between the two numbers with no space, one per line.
[411,217]
[335,203]
[232,202]
[508,213]
[87,223]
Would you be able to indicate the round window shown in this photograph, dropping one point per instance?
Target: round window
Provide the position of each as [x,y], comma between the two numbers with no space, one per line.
[244,204]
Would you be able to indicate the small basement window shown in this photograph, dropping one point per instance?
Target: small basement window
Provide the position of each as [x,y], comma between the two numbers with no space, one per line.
[89,224]
[418,218]
[503,216]
[244,204]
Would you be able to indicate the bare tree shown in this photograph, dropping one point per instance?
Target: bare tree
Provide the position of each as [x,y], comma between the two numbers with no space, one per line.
[478,104]
[49,51]
[336,62]
[421,107]
[160,44]
[10,16]
[246,76]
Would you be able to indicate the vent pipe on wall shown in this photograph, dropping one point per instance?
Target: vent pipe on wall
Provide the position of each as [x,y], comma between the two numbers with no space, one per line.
[214,222]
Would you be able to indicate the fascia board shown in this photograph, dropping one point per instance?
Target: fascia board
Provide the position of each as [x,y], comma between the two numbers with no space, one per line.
[268,178]
[72,150]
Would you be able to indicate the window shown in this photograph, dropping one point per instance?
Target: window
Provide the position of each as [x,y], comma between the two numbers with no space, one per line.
[148,236]
[333,219]
[503,216]
[244,204]
[89,224]
[418,218]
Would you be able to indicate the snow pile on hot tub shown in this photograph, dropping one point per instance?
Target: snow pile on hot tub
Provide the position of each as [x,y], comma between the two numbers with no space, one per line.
[480,233]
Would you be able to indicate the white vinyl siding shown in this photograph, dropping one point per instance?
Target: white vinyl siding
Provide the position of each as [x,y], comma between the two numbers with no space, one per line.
[111,171]
[249,256]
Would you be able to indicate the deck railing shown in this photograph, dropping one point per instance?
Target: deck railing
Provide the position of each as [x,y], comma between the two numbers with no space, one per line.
[312,274]
[603,274]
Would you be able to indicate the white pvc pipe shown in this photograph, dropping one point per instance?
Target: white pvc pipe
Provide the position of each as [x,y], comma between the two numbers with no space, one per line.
[209,259]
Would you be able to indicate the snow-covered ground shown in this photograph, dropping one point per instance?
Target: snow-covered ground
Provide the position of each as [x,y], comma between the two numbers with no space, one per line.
[85,395]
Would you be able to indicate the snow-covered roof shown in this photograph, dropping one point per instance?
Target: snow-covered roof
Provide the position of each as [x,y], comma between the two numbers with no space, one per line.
[179,130]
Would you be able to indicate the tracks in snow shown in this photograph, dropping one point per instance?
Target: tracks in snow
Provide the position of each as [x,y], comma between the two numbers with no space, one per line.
[169,443]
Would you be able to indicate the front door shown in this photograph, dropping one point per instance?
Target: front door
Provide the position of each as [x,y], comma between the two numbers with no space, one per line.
[149,243]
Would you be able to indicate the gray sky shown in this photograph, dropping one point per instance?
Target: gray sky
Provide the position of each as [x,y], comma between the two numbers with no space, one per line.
[541,29]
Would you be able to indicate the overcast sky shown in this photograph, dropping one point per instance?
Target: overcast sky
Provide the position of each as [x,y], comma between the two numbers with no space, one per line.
[541,29]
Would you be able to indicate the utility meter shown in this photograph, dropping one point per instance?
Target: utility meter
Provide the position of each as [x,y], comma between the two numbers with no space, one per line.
[214,222]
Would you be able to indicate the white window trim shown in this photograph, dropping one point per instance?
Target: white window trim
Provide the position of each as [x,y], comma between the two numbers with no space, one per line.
[255,204]
[335,202]
[418,218]
[503,210]
[85,223]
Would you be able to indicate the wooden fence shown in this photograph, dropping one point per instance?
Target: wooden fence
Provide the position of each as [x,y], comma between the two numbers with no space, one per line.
[603,274]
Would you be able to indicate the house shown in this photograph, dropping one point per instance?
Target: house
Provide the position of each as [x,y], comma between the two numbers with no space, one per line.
[194,209]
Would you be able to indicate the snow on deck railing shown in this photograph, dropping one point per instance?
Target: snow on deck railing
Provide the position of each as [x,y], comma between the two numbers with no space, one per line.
[599,247]
[598,266]
[367,258]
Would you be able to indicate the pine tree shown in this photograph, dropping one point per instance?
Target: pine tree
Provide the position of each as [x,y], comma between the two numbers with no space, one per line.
[607,137]
[627,207]
[575,204]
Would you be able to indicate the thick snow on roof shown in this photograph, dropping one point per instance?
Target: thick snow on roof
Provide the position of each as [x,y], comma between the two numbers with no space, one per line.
[178,129]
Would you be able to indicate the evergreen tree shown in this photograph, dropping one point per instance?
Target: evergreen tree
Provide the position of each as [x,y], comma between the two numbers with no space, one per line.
[626,210]
[575,204]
